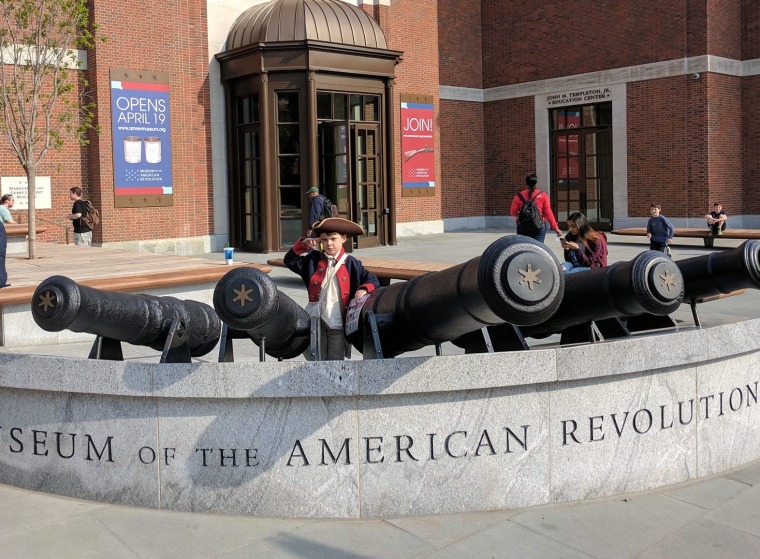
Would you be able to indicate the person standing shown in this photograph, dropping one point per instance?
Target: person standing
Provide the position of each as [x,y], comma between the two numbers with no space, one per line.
[716,219]
[332,279]
[541,200]
[5,208]
[316,208]
[82,232]
[3,249]
[659,230]
[584,248]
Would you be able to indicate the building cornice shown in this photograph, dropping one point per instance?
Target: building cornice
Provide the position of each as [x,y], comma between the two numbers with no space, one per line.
[655,70]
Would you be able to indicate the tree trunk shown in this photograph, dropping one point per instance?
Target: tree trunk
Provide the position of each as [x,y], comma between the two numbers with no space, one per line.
[31,179]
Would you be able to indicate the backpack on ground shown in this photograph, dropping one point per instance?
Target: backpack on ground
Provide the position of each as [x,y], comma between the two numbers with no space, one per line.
[529,219]
[92,217]
[329,209]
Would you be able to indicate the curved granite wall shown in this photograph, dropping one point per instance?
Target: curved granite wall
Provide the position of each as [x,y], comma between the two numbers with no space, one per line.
[378,438]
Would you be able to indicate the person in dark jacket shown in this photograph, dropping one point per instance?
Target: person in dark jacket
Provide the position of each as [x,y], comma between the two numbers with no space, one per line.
[584,247]
[659,230]
[332,279]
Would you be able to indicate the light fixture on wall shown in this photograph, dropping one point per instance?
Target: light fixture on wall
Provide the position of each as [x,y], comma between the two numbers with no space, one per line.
[696,76]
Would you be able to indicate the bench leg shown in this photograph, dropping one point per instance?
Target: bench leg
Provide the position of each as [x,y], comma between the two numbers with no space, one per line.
[708,241]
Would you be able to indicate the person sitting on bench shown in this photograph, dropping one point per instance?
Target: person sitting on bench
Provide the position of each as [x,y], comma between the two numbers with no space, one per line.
[716,219]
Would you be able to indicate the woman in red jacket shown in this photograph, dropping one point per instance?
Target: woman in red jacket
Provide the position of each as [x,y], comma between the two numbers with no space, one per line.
[544,207]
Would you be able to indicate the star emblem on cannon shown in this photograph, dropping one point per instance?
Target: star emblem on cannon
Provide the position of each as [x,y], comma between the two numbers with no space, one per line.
[47,301]
[668,280]
[529,276]
[242,295]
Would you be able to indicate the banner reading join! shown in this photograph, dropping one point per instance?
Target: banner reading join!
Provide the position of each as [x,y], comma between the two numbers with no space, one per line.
[417,145]
[142,165]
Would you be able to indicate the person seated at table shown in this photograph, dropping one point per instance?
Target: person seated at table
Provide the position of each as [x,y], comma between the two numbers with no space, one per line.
[584,247]
[716,219]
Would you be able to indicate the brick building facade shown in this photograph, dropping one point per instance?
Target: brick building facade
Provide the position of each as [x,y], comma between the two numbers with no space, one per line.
[663,101]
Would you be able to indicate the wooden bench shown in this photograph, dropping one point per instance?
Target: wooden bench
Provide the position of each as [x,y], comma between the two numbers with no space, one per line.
[17,234]
[696,233]
[386,270]
[137,282]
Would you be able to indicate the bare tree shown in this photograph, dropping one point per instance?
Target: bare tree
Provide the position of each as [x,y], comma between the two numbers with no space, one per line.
[45,95]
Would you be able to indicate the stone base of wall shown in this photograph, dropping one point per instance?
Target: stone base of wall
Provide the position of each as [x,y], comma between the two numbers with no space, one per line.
[404,436]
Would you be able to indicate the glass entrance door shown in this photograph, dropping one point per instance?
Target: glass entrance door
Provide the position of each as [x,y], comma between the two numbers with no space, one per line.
[581,156]
[366,183]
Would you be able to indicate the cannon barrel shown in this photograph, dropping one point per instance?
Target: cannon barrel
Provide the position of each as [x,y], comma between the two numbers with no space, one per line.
[516,280]
[722,271]
[59,303]
[649,283]
[247,299]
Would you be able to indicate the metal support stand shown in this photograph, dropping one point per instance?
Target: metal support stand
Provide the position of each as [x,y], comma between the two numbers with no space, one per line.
[642,322]
[315,335]
[694,313]
[226,352]
[176,349]
[107,349]
[438,350]
[372,349]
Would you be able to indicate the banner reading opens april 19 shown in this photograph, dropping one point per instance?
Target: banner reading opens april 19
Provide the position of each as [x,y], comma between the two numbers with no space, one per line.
[141,143]
[417,145]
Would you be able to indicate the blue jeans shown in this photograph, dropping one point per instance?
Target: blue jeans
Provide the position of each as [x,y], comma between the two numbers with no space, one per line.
[539,236]
[570,268]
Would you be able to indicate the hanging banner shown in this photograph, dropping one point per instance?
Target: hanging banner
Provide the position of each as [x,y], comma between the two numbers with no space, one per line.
[142,165]
[417,145]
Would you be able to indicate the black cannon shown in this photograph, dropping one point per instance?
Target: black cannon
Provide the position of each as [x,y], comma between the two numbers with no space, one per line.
[720,273]
[516,280]
[650,284]
[248,302]
[180,329]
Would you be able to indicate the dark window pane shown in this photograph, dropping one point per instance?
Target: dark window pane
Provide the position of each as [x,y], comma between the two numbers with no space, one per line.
[287,106]
[289,135]
[340,106]
[290,171]
[605,114]
[324,106]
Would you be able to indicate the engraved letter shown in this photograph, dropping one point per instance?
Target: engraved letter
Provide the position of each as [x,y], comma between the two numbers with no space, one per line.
[326,447]
[400,449]
[593,428]
[39,442]
[378,448]
[524,442]
[565,432]
[448,440]
[485,440]
[91,446]
[58,444]
[301,454]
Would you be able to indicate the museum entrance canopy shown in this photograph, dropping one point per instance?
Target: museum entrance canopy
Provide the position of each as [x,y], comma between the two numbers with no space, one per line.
[280,58]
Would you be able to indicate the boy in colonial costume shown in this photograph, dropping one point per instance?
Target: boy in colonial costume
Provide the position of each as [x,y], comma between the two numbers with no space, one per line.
[332,279]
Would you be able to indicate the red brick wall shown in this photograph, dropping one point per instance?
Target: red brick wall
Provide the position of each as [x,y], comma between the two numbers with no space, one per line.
[724,28]
[411,26]
[751,145]
[750,29]
[724,141]
[667,149]
[171,38]
[527,41]
[510,151]
[461,47]
[462,171]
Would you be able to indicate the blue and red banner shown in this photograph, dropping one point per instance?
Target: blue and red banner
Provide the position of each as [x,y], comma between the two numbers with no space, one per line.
[417,146]
[141,139]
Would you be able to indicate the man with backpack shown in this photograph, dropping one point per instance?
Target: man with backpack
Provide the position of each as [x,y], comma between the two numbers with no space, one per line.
[532,211]
[82,231]
[321,208]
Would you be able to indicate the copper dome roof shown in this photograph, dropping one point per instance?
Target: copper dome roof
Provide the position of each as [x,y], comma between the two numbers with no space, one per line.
[330,21]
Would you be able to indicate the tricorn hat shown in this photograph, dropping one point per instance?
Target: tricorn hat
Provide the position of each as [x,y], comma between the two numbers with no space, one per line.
[337,225]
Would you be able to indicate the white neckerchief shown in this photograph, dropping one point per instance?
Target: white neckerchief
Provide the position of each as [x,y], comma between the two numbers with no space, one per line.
[329,296]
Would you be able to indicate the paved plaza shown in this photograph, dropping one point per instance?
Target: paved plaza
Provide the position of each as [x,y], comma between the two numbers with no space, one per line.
[716,517]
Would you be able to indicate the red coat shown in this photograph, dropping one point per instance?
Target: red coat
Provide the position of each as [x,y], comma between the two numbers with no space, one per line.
[311,265]
[542,202]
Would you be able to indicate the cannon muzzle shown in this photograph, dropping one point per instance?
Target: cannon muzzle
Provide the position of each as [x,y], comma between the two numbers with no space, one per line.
[247,299]
[516,280]
[59,303]
[722,271]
